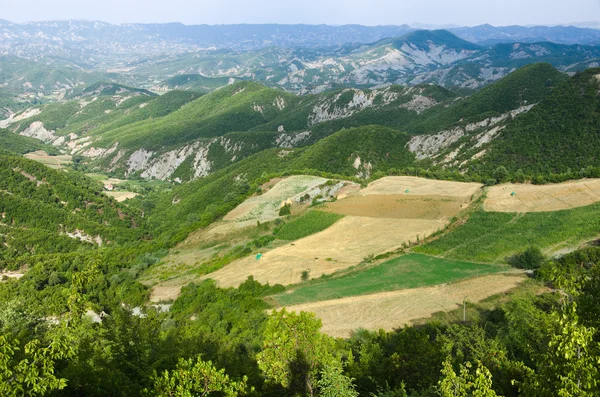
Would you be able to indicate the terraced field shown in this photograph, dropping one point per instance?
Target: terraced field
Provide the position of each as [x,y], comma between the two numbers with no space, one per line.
[56,162]
[542,198]
[404,272]
[389,213]
[391,310]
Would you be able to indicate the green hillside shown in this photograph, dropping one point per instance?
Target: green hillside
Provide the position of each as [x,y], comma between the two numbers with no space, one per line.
[560,134]
[21,144]
[527,85]
[223,111]
[40,206]
[194,82]
[381,148]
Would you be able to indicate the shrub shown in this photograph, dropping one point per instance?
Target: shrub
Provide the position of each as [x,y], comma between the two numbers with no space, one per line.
[532,258]
[285,210]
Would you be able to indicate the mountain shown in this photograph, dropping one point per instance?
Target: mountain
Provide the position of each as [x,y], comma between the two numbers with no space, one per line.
[184,136]
[95,41]
[560,134]
[490,35]
[432,57]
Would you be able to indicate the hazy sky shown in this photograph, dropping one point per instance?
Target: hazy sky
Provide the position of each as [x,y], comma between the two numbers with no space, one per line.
[366,12]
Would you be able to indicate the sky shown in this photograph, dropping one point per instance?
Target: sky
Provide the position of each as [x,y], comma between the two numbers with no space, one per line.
[333,12]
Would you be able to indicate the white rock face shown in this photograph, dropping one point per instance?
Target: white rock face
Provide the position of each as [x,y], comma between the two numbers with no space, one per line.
[95,153]
[427,146]
[83,236]
[166,164]
[36,130]
[326,111]
[202,166]
[430,145]
[279,103]
[13,118]
[138,161]
[419,104]
[291,140]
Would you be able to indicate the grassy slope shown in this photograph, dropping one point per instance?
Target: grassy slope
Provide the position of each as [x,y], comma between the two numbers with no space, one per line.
[408,271]
[494,237]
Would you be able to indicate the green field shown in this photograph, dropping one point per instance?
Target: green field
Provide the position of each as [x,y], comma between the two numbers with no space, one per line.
[310,223]
[493,237]
[408,271]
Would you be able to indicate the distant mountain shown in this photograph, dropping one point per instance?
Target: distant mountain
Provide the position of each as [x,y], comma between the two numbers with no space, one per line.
[490,35]
[92,42]
[432,57]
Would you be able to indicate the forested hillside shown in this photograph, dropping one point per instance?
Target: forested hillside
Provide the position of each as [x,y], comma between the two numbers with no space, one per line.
[48,211]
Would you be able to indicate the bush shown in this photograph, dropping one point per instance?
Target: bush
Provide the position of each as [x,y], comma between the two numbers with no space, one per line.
[305,275]
[532,258]
[285,210]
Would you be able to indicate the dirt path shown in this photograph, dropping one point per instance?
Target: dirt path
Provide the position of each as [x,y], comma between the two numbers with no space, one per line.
[542,198]
[390,310]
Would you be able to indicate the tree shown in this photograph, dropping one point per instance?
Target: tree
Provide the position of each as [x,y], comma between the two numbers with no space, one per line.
[199,378]
[500,174]
[295,351]
[532,258]
[31,374]
[467,383]
[570,366]
[334,383]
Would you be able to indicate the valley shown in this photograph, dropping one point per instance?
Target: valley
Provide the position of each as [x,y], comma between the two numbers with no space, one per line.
[299,210]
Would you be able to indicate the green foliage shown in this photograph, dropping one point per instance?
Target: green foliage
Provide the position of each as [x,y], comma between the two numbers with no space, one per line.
[285,210]
[532,258]
[334,383]
[295,352]
[199,378]
[309,223]
[477,383]
[31,373]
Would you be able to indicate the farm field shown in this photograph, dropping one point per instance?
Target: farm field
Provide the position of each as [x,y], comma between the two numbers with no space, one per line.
[121,195]
[378,221]
[346,243]
[405,272]
[390,310]
[397,185]
[493,237]
[265,207]
[307,224]
[540,198]
[56,162]
[398,206]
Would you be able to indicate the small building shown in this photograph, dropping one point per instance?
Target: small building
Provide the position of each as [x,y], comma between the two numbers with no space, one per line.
[109,187]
